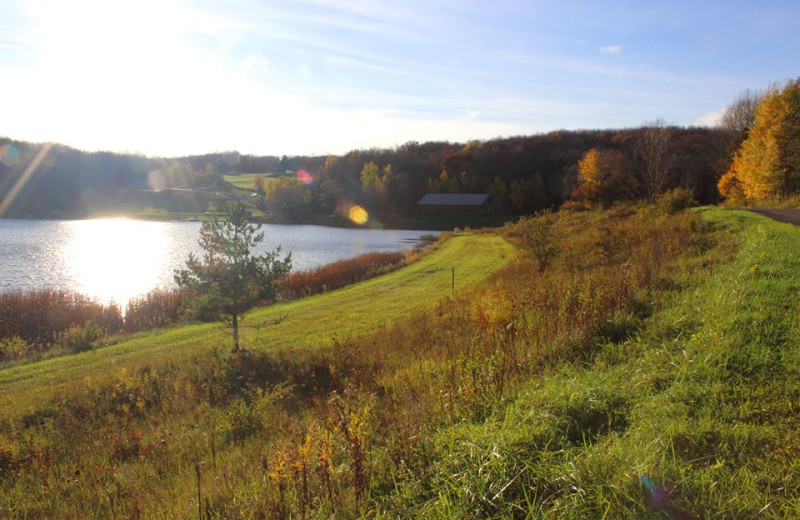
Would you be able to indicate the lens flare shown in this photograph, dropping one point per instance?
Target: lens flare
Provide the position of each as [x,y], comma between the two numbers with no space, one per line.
[656,495]
[305,177]
[156,180]
[9,155]
[358,215]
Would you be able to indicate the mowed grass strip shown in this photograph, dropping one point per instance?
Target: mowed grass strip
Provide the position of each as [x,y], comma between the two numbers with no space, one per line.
[318,320]
[247,181]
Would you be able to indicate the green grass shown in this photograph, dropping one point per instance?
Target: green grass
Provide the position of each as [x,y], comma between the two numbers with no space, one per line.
[313,322]
[247,181]
[694,417]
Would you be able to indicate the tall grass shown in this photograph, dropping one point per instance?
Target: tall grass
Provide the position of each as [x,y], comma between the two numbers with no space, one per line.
[512,401]
[155,309]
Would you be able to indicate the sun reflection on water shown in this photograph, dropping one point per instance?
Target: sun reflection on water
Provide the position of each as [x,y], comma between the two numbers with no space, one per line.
[116,259]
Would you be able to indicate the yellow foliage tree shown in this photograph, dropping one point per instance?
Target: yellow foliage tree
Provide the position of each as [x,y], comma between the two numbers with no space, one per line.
[765,166]
[729,185]
[605,176]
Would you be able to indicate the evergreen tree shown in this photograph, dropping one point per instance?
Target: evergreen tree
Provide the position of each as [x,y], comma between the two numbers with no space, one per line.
[229,280]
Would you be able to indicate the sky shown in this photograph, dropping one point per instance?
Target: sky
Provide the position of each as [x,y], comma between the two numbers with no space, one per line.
[280,77]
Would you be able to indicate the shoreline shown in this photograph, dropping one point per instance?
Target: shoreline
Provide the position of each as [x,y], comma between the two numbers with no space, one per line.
[387,222]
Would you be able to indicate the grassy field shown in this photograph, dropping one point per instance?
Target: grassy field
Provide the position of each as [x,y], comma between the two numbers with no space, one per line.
[650,371]
[311,322]
[247,181]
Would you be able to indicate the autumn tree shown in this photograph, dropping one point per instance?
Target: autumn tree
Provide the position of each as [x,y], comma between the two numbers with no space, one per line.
[258,185]
[370,177]
[652,153]
[528,195]
[498,194]
[286,197]
[229,280]
[387,178]
[605,176]
[767,164]
[444,183]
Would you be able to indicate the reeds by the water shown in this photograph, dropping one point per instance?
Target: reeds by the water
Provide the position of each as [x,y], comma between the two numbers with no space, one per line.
[43,316]
[338,274]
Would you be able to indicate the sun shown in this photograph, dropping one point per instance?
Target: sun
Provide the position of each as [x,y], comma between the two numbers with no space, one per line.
[112,260]
[126,72]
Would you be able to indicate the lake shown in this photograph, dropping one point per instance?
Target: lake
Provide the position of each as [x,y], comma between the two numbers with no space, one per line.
[117,259]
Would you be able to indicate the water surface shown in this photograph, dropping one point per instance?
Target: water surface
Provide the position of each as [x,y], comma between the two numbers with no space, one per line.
[117,259]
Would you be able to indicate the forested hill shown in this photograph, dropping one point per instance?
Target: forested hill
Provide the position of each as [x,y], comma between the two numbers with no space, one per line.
[522,174]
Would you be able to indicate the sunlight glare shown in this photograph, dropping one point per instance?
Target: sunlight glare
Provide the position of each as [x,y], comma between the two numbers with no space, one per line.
[112,259]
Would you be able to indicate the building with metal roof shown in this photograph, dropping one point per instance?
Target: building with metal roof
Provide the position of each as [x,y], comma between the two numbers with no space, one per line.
[455,203]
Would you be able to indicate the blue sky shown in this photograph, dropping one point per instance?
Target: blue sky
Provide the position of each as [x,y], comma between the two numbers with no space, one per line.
[173,77]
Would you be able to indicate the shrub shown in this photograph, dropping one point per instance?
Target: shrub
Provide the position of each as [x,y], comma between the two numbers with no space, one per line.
[676,200]
[80,338]
[14,348]
[538,237]
[152,310]
[573,206]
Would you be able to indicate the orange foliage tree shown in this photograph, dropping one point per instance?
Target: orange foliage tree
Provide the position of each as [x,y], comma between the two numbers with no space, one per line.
[605,176]
[767,164]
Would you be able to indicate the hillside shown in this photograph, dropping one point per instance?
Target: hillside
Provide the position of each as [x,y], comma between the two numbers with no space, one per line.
[648,371]
[694,416]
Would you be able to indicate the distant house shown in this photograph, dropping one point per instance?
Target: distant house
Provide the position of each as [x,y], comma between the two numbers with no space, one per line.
[455,203]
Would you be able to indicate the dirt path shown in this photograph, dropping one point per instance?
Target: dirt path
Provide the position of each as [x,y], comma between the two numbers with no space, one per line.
[789,216]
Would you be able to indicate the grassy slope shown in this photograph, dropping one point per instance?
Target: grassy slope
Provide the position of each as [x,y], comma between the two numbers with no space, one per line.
[696,417]
[354,310]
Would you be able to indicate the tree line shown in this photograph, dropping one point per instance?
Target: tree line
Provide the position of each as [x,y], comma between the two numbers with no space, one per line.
[523,174]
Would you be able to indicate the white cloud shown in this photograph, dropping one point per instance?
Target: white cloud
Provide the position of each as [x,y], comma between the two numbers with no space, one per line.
[710,118]
[611,49]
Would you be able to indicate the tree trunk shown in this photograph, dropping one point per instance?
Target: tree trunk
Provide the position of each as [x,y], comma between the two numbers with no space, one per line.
[235,326]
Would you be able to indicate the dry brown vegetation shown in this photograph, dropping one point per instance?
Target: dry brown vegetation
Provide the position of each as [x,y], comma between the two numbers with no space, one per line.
[338,274]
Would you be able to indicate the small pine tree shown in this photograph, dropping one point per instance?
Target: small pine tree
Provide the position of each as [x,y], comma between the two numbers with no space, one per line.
[228,280]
